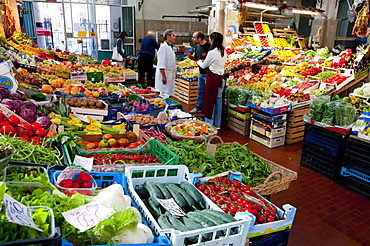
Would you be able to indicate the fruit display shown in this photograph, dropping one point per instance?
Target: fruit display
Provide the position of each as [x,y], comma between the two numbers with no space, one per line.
[109,142]
[281,42]
[157,102]
[86,103]
[336,79]
[23,76]
[298,97]
[262,28]
[189,73]
[187,63]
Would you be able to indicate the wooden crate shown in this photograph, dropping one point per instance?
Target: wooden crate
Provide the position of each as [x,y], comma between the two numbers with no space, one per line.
[282,32]
[186,91]
[238,125]
[295,126]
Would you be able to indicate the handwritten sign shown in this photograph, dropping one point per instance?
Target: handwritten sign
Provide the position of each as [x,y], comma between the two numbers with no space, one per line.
[84,162]
[18,213]
[87,216]
[82,117]
[171,206]
[359,57]
[322,86]
[68,173]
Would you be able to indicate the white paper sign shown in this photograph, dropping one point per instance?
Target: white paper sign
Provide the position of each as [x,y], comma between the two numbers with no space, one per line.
[87,216]
[82,117]
[359,57]
[18,213]
[322,86]
[85,162]
[295,90]
[171,206]
[247,77]
[68,173]
[336,59]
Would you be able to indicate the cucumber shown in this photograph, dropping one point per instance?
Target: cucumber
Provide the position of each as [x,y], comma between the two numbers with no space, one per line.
[178,225]
[143,193]
[145,201]
[227,218]
[163,222]
[189,200]
[179,199]
[192,191]
[164,190]
[214,219]
[153,191]
[191,224]
[156,209]
[200,218]
[38,97]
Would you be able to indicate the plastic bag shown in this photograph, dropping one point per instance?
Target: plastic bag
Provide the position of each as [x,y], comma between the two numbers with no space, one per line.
[329,113]
[317,108]
[344,114]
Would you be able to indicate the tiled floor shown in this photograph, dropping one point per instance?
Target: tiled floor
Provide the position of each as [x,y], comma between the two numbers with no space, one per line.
[327,215]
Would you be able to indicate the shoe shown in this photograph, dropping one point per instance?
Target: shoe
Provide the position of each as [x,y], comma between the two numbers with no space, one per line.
[195,110]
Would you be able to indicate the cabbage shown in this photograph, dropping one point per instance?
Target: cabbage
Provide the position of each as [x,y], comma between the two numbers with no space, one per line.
[10,104]
[28,115]
[44,121]
[31,106]
[4,93]
[15,96]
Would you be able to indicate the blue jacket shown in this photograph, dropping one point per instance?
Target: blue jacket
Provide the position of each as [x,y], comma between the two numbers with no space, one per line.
[121,48]
[148,47]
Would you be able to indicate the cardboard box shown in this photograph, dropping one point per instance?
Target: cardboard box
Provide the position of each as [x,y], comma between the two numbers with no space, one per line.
[268,132]
[269,142]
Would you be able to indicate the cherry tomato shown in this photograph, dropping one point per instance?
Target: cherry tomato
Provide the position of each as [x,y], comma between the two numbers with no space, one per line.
[8,130]
[51,134]
[14,120]
[140,142]
[35,126]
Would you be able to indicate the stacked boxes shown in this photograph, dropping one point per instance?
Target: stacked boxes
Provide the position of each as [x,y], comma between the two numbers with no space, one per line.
[295,126]
[323,150]
[268,130]
[356,166]
[186,91]
[239,119]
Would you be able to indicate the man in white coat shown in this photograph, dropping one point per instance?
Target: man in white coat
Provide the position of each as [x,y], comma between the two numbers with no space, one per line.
[165,74]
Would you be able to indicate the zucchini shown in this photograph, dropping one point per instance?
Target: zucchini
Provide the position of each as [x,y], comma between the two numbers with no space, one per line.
[145,201]
[200,218]
[143,193]
[179,199]
[178,225]
[227,218]
[214,219]
[192,191]
[189,200]
[163,222]
[156,209]
[191,224]
[153,191]
[163,189]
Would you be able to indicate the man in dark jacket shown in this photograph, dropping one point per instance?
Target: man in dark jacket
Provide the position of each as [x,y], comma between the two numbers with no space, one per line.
[146,56]
[200,53]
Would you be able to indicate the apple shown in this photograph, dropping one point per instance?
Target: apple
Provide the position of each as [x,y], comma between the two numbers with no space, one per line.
[124,142]
[112,143]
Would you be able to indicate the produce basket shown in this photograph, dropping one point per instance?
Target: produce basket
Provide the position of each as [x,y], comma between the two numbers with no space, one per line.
[277,181]
[235,231]
[194,130]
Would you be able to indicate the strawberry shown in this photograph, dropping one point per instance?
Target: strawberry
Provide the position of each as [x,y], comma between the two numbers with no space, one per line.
[86,184]
[84,176]
[66,183]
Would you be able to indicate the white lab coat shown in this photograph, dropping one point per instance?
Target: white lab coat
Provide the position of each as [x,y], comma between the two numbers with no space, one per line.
[167,60]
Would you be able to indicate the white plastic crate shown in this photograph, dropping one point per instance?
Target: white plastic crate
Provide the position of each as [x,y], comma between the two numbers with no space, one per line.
[136,176]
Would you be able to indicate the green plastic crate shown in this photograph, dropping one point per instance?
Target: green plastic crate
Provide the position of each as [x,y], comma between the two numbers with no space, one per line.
[95,76]
[166,156]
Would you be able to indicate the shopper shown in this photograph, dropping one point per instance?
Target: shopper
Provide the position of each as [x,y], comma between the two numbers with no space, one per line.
[146,55]
[165,74]
[121,49]
[200,53]
[215,61]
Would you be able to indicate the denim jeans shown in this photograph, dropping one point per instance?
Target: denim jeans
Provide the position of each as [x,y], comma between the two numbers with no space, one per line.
[201,85]
[217,110]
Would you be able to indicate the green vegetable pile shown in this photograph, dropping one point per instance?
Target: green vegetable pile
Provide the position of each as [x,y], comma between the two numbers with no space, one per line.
[194,156]
[26,152]
[325,75]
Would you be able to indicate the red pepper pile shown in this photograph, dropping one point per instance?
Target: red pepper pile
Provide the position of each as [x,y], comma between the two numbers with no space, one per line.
[284,92]
[298,97]
[311,72]
[124,158]
[140,92]
[232,196]
[336,79]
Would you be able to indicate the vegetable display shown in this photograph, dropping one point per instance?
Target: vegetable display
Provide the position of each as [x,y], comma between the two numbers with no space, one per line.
[227,157]
[124,158]
[188,128]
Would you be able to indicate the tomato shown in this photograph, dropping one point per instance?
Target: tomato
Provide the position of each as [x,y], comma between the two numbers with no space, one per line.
[14,120]
[35,139]
[8,130]
[35,126]
[25,137]
[273,213]
[123,142]
[107,136]
[132,135]
[133,145]
[270,219]
[2,116]
[5,122]
[51,134]
[140,142]
[41,132]
[34,142]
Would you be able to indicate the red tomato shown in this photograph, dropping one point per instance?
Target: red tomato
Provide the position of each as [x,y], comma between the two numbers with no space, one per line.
[25,128]
[140,142]
[41,132]
[35,139]
[35,126]
[51,134]
[2,117]
[14,120]
[5,122]
[8,130]
[132,145]
[25,137]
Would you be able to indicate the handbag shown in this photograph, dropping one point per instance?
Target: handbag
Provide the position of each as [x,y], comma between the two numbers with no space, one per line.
[115,55]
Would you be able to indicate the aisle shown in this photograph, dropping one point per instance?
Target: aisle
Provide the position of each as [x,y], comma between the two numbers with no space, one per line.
[326,213]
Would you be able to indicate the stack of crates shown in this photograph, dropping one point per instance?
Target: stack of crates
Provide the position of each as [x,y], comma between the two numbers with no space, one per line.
[356,166]
[268,130]
[239,119]
[323,150]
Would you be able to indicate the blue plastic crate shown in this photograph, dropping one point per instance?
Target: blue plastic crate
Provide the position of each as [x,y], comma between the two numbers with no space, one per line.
[105,179]
[355,180]
[112,112]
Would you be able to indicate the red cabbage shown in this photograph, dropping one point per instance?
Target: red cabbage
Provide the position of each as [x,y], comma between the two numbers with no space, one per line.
[31,106]
[4,92]
[28,115]
[10,104]
[15,96]
[44,121]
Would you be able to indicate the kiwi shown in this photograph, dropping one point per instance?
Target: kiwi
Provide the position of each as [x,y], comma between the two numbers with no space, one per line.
[77,104]
[91,103]
[84,103]
[99,104]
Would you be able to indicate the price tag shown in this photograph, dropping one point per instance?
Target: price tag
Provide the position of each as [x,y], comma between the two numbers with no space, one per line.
[68,173]
[87,216]
[359,57]
[82,117]
[171,206]
[322,86]
[336,59]
[247,77]
[84,162]
[18,213]
[294,90]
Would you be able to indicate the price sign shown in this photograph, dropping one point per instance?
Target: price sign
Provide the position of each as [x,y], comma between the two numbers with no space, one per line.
[87,216]
[84,162]
[359,57]
[322,86]
[248,77]
[295,90]
[82,117]
[68,173]
[18,213]
[171,206]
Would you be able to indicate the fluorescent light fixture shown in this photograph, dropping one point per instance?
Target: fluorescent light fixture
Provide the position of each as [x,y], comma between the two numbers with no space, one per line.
[260,6]
[304,12]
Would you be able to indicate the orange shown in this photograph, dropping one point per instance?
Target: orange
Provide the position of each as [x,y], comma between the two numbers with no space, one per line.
[88,93]
[61,80]
[47,89]
[58,85]
[65,85]
[73,92]
[68,92]
[96,94]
